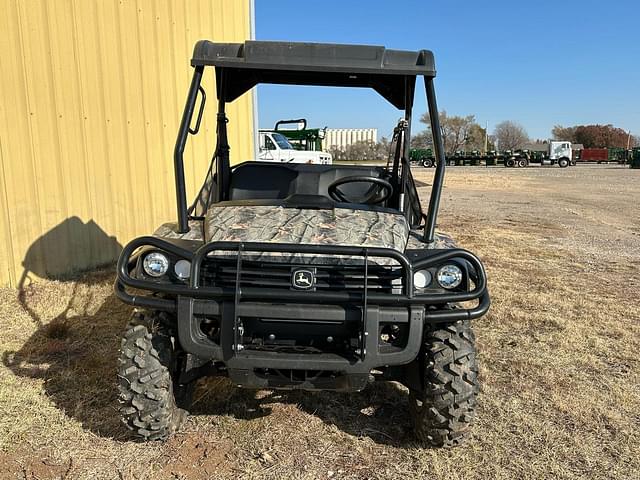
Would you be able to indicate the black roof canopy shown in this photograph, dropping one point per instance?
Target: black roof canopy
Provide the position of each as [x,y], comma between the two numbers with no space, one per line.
[241,66]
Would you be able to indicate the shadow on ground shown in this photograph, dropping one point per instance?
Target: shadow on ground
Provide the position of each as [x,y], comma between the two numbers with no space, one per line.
[75,347]
[77,326]
[380,412]
[75,354]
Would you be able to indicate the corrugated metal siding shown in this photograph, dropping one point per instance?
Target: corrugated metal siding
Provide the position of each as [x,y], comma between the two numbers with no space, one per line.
[344,137]
[91,94]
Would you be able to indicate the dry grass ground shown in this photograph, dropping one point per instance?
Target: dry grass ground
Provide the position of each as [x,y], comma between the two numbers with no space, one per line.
[558,356]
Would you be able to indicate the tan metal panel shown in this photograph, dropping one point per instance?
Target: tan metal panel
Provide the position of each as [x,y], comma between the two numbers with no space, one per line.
[91,94]
[20,192]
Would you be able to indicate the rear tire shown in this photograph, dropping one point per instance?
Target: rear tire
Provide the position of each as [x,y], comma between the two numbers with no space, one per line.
[522,163]
[427,163]
[510,162]
[146,380]
[445,408]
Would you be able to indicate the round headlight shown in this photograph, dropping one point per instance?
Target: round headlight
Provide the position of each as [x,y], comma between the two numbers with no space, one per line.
[449,276]
[156,264]
[421,278]
[182,269]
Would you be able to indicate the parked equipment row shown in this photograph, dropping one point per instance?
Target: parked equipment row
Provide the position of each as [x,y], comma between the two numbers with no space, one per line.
[558,153]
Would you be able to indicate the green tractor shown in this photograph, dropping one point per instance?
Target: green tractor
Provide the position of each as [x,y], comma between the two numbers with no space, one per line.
[422,156]
[635,158]
[618,155]
[302,138]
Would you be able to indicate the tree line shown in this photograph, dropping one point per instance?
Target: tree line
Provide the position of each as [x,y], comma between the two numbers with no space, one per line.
[463,133]
[596,136]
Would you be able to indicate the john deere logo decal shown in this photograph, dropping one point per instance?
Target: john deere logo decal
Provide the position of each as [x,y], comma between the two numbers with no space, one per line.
[302,279]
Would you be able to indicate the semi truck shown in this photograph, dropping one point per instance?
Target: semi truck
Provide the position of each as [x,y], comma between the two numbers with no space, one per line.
[557,153]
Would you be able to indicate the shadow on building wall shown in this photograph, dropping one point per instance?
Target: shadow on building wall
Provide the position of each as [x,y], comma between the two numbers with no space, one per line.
[64,252]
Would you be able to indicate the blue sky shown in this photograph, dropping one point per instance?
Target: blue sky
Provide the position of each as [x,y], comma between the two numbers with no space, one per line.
[540,63]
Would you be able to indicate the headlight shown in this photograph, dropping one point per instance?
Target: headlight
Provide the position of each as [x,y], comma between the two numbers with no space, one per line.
[182,269]
[155,264]
[449,276]
[421,278]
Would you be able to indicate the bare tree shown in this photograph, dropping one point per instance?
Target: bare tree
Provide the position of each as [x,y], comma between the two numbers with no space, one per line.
[458,133]
[422,140]
[510,135]
[567,134]
[476,139]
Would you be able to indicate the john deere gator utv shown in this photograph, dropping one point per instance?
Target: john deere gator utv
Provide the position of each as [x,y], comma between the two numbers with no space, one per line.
[298,276]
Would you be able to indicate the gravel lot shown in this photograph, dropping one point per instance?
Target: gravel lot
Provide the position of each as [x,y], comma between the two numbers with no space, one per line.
[593,209]
[558,358]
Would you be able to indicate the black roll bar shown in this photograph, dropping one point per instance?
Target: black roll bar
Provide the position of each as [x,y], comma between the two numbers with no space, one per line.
[438,179]
[223,166]
[178,152]
[410,85]
[295,120]
[223,160]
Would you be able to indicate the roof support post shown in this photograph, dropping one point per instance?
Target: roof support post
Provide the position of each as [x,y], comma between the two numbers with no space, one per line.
[409,88]
[178,152]
[408,101]
[438,147]
[222,162]
[223,165]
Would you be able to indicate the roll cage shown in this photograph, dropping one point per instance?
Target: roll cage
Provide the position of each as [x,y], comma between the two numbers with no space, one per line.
[241,66]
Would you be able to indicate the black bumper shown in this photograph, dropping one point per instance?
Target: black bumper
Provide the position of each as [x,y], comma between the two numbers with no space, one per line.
[370,310]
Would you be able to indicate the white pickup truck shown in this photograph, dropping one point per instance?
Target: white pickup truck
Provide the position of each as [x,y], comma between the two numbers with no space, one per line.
[274,147]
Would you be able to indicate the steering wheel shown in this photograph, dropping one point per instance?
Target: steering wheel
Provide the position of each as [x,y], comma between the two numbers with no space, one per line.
[379,191]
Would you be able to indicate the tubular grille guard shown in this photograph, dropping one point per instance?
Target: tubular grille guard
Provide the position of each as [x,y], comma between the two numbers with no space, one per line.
[364,252]
[241,249]
[195,290]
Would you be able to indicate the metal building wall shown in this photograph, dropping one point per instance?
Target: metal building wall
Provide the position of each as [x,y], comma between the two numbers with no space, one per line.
[91,94]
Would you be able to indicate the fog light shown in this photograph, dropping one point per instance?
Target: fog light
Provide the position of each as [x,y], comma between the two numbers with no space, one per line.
[182,269]
[155,264]
[421,278]
[449,276]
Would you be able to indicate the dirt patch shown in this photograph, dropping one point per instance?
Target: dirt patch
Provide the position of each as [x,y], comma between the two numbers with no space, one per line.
[558,359]
[196,455]
[29,466]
